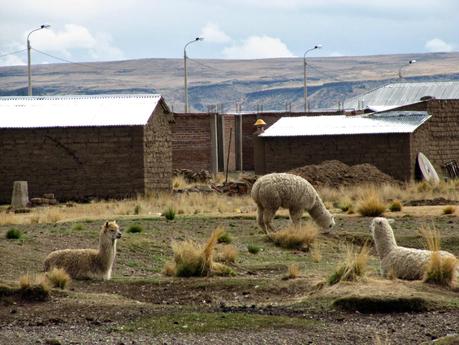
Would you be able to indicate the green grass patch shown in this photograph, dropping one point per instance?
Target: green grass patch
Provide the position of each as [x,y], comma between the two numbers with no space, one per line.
[14,234]
[135,229]
[194,322]
[253,248]
[169,213]
[225,238]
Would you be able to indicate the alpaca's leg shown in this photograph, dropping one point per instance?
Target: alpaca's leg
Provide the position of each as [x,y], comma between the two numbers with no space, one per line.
[295,215]
[260,221]
[268,215]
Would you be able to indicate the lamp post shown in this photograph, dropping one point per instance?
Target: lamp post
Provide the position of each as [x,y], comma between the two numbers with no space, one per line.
[186,72]
[400,69]
[317,46]
[29,73]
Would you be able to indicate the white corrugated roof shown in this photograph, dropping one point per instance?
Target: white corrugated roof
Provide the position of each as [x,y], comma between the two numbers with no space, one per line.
[376,123]
[399,94]
[76,111]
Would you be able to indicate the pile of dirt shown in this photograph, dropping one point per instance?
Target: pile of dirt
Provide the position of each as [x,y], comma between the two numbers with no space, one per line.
[190,176]
[335,174]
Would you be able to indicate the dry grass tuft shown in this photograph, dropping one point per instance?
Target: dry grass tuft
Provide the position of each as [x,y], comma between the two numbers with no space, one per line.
[194,260]
[295,237]
[316,254]
[33,288]
[179,182]
[371,204]
[395,206]
[58,278]
[227,254]
[354,267]
[293,271]
[439,270]
[449,210]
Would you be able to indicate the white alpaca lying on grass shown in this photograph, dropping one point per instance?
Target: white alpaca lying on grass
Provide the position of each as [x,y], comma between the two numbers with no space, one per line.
[88,263]
[272,191]
[401,262]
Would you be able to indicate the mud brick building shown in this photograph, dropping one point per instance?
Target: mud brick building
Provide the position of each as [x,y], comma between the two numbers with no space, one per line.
[389,140]
[107,146]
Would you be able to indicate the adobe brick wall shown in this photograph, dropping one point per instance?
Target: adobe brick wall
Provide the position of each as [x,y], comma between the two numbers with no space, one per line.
[438,138]
[388,152]
[191,141]
[158,151]
[73,162]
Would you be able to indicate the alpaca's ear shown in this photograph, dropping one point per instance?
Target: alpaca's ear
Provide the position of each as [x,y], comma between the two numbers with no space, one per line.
[106,225]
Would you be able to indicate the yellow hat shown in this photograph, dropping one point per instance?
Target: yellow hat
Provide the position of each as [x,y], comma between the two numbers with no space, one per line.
[260,123]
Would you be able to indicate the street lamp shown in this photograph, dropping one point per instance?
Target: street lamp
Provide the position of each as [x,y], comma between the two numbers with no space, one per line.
[400,69]
[186,73]
[29,74]
[317,46]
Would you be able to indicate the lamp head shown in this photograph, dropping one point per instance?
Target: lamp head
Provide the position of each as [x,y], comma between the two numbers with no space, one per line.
[318,46]
[411,61]
[199,39]
[45,26]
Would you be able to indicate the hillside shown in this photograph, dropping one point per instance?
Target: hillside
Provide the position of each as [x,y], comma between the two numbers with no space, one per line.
[271,83]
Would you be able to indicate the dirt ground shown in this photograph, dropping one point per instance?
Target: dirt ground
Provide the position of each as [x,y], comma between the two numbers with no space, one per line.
[257,306]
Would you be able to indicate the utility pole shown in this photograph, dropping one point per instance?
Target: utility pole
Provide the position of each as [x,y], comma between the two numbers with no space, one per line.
[185,70]
[317,46]
[29,69]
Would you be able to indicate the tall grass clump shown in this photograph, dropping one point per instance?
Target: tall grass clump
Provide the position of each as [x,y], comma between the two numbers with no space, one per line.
[33,288]
[439,270]
[353,268]
[13,234]
[58,278]
[371,204]
[135,229]
[195,260]
[295,237]
[179,182]
[449,210]
[293,271]
[395,206]
[169,213]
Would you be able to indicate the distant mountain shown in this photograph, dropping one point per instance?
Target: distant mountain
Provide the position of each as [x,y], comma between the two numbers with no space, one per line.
[272,84]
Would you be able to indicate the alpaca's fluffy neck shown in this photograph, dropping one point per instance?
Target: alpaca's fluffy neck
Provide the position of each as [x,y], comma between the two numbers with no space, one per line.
[385,241]
[107,250]
[320,213]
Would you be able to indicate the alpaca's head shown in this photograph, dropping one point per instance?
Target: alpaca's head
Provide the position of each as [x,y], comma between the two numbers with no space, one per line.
[111,230]
[325,220]
[383,234]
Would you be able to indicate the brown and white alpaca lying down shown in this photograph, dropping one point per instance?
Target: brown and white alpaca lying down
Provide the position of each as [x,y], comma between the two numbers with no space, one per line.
[88,263]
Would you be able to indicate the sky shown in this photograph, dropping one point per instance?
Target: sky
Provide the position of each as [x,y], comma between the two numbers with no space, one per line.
[103,30]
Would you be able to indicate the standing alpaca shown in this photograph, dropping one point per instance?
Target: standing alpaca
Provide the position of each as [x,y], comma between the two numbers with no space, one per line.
[402,262]
[288,191]
[88,263]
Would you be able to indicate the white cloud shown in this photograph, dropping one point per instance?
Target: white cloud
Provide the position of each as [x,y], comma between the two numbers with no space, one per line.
[212,33]
[336,54]
[76,37]
[438,45]
[258,47]
[11,60]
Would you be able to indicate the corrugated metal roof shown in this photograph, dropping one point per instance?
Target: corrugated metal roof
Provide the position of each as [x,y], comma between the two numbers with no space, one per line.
[76,111]
[399,94]
[376,123]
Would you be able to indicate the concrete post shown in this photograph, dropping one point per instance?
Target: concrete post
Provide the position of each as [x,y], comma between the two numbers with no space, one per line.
[20,197]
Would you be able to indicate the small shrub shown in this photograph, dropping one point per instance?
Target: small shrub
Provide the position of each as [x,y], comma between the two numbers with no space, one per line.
[179,182]
[253,248]
[13,234]
[169,269]
[58,278]
[137,209]
[135,229]
[225,237]
[449,210]
[293,271]
[353,268]
[295,237]
[169,213]
[345,205]
[395,206]
[228,254]
[371,205]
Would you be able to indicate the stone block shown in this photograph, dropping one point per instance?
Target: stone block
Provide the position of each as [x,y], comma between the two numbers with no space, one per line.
[20,197]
